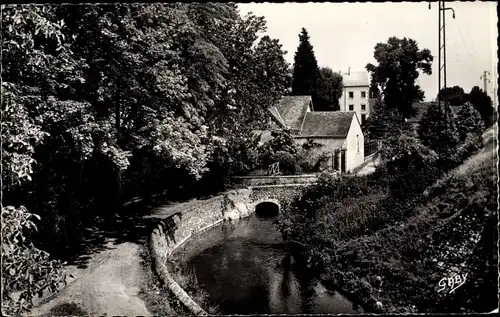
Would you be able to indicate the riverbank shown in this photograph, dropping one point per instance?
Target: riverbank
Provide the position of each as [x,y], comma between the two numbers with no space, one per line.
[396,255]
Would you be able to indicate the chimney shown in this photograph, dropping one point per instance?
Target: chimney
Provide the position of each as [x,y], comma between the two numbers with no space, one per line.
[349,71]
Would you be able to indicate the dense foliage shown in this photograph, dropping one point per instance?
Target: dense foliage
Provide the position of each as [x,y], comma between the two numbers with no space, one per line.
[26,270]
[399,62]
[329,90]
[477,97]
[305,68]
[322,84]
[483,104]
[455,95]
[384,123]
[437,130]
[292,158]
[102,103]
[469,121]
[407,225]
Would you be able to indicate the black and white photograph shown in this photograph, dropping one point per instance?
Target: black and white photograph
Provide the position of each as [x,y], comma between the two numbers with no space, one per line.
[259,158]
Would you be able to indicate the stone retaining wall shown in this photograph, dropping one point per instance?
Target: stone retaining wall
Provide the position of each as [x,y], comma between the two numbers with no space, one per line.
[274,180]
[172,232]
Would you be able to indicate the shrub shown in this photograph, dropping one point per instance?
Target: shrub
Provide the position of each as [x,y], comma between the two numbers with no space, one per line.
[25,269]
[287,162]
[433,134]
[469,121]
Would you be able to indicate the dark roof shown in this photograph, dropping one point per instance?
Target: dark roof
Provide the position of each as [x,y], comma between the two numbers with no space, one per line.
[292,110]
[327,123]
[276,115]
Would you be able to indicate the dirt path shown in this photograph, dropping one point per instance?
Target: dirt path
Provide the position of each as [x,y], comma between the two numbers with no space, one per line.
[108,286]
[110,283]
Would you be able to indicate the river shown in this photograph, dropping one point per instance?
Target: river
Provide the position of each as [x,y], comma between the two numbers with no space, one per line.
[246,269]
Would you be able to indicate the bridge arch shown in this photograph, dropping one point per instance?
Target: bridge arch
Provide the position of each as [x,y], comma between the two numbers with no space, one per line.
[267,208]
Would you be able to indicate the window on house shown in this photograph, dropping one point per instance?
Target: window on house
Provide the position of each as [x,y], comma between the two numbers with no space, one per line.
[363,107]
[363,118]
[351,94]
[351,107]
[357,141]
[363,94]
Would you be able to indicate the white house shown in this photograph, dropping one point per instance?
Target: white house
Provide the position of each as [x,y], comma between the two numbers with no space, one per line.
[355,96]
[338,133]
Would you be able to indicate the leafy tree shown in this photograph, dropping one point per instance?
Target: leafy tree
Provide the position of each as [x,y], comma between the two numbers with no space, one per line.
[384,123]
[483,104]
[329,90]
[432,131]
[469,121]
[399,62]
[36,65]
[305,69]
[456,95]
[124,97]
[374,89]
[26,270]
[409,165]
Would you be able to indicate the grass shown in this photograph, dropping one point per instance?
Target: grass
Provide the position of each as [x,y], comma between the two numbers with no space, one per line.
[156,297]
[160,301]
[189,282]
[411,245]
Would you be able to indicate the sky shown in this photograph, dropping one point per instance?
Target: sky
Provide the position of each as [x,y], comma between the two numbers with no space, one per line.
[344,35]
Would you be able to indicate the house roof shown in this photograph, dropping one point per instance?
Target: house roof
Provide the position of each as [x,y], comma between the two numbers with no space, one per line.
[292,110]
[327,123]
[275,113]
[355,79]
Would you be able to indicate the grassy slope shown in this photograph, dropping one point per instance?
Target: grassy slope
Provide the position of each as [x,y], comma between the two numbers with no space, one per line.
[453,232]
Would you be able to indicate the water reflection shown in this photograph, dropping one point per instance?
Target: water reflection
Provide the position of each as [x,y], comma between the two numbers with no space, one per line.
[246,269]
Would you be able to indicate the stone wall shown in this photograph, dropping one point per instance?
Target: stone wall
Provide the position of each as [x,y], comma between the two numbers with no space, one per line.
[172,232]
[274,180]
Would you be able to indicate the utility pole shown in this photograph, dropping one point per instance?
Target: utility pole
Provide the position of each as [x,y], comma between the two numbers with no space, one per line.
[442,56]
[486,80]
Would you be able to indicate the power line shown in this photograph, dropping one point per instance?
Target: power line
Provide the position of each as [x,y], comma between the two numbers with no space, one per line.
[486,80]
[442,53]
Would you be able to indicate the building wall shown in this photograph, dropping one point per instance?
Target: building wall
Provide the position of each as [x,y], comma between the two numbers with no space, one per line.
[354,158]
[328,145]
[357,101]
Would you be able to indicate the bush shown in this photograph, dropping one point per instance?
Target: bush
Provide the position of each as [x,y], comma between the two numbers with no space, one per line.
[433,134]
[281,141]
[469,121]
[362,233]
[25,269]
[287,162]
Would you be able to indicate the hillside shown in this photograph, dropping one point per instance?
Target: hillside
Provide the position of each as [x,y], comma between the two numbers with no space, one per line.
[453,232]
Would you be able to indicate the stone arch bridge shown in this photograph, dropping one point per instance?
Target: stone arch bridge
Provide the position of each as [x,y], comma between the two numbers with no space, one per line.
[242,202]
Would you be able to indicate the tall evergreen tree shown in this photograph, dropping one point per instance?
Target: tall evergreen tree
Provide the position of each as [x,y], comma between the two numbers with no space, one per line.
[305,68]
